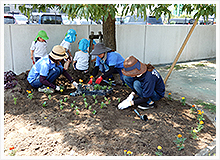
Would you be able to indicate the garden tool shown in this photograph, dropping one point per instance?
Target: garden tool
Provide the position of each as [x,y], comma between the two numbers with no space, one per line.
[142,117]
[33,62]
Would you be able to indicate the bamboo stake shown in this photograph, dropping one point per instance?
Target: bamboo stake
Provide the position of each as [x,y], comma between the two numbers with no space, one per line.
[181,50]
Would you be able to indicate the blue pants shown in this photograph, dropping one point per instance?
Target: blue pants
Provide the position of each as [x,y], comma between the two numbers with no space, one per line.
[37,58]
[116,70]
[135,84]
[54,73]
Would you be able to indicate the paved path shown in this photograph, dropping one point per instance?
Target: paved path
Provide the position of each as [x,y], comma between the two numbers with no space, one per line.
[194,81]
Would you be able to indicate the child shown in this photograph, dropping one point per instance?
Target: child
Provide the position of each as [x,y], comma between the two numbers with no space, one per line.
[70,37]
[44,73]
[39,46]
[81,58]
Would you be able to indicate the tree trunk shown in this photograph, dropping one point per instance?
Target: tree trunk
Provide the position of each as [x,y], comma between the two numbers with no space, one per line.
[109,33]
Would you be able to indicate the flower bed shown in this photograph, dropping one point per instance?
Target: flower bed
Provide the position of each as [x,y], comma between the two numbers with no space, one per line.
[88,125]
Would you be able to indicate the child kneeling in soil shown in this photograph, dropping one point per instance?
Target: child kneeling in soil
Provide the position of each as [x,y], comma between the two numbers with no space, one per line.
[70,38]
[81,58]
[44,73]
[145,81]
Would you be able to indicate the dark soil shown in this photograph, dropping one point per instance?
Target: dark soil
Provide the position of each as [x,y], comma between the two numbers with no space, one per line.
[35,130]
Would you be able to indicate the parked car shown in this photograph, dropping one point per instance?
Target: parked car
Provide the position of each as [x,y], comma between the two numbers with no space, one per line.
[9,19]
[209,22]
[181,21]
[83,21]
[21,19]
[66,21]
[48,18]
[150,20]
[119,20]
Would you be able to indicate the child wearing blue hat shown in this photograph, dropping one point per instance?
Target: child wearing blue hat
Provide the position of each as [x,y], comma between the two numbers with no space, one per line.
[81,58]
[70,38]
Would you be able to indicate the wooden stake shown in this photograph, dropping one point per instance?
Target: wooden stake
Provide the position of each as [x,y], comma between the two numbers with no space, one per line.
[181,50]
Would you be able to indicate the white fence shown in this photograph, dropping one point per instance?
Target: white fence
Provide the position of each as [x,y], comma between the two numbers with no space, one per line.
[154,44]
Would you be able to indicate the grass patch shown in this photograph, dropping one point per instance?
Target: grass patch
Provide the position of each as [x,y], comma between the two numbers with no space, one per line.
[178,67]
[199,65]
[211,107]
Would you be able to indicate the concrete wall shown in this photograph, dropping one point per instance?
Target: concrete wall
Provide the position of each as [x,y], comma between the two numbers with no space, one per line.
[154,44]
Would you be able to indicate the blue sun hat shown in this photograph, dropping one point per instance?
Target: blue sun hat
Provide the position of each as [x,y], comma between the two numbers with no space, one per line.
[83,45]
[70,36]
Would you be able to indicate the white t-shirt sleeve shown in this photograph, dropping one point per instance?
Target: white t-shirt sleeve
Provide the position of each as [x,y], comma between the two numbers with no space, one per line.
[75,57]
[33,46]
[66,45]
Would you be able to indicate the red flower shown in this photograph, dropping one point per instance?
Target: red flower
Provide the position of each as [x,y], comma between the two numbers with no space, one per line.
[12,148]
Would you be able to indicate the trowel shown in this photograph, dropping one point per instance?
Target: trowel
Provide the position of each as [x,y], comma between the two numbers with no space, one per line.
[142,117]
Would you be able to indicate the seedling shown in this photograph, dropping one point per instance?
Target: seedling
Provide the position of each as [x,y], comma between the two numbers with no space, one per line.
[102,104]
[61,106]
[104,87]
[200,126]
[94,96]
[61,101]
[106,98]
[179,141]
[194,133]
[44,104]
[110,82]
[30,94]
[61,88]
[49,96]
[84,99]
[200,115]
[109,87]
[15,100]
[84,95]
[65,99]
[159,151]
[169,96]
[94,112]
[77,112]
[86,104]
[192,109]
[183,101]
[76,108]
[73,104]
[12,151]
[96,101]
[119,100]
[90,107]
[109,101]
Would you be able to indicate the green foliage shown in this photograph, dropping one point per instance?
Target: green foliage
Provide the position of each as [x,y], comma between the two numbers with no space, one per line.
[65,99]
[96,101]
[102,104]
[49,96]
[15,100]
[94,112]
[102,11]
[211,107]
[194,133]
[94,96]
[44,104]
[179,141]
